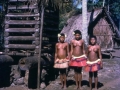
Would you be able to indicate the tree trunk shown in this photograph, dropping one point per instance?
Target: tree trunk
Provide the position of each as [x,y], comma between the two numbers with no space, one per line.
[84,21]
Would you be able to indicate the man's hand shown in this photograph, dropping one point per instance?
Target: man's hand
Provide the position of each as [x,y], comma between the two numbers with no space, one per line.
[101,65]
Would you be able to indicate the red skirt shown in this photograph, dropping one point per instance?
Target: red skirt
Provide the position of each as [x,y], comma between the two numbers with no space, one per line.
[94,66]
[78,61]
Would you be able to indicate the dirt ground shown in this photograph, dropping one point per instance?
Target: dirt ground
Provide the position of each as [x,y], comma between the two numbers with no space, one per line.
[109,78]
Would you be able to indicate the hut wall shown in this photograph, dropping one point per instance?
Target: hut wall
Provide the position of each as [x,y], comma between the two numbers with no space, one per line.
[103,32]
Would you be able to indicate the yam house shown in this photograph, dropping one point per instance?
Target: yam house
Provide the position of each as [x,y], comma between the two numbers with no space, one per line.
[100,24]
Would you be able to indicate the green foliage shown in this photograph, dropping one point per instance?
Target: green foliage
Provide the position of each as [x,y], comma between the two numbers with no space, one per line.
[115,8]
[67,10]
[91,5]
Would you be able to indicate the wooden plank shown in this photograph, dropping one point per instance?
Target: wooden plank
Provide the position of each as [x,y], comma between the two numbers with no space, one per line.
[20,46]
[21,30]
[104,24]
[21,15]
[17,0]
[18,54]
[115,53]
[24,38]
[22,7]
[28,22]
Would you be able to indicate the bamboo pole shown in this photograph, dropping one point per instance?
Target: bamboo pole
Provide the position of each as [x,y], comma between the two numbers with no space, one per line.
[39,57]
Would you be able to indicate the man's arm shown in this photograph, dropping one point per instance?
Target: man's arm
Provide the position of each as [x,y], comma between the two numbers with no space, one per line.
[83,47]
[86,53]
[100,56]
[71,48]
[68,51]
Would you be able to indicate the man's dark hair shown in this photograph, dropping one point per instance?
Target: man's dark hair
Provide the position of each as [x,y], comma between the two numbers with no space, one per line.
[62,34]
[77,32]
[92,37]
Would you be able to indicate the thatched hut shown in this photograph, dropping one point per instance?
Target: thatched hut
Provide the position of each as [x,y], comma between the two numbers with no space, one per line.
[99,23]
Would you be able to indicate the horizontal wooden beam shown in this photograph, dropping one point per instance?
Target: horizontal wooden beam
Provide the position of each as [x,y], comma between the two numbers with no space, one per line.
[24,38]
[20,46]
[22,7]
[17,0]
[104,24]
[21,30]
[26,22]
[21,15]
[18,53]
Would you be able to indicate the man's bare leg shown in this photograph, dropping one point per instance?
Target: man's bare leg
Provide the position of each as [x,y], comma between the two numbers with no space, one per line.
[90,82]
[61,78]
[96,82]
[96,79]
[79,80]
[65,79]
[76,80]
[90,79]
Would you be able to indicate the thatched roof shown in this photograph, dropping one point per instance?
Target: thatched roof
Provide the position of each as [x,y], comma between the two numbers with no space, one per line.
[75,22]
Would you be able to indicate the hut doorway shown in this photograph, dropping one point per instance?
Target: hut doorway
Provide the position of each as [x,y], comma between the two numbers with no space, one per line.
[103,32]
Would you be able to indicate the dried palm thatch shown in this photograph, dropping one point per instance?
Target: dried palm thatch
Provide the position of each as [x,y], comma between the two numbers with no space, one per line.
[75,22]
[99,23]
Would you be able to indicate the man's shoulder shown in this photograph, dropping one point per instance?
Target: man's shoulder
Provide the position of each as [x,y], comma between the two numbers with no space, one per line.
[72,41]
[82,40]
[66,42]
[89,45]
[57,43]
[98,46]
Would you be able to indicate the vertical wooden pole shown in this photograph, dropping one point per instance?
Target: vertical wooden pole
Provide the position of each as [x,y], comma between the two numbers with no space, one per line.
[40,44]
[103,3]
[84,22]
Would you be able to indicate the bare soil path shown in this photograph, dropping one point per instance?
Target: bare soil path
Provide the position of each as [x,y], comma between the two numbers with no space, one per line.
[109,78]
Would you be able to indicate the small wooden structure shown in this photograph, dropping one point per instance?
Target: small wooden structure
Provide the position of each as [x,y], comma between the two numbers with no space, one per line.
[22,27]
[29,34]
[100,24]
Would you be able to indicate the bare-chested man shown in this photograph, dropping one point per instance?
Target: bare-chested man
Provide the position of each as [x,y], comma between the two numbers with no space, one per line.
[62,58]
[78,58]
[94,62]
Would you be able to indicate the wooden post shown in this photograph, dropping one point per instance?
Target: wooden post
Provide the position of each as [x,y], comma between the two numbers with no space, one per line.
[84,22]
[39,57]
[103,3]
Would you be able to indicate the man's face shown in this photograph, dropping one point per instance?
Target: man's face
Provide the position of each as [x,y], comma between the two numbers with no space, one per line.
[62,38]
[77,36]
[93,41]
